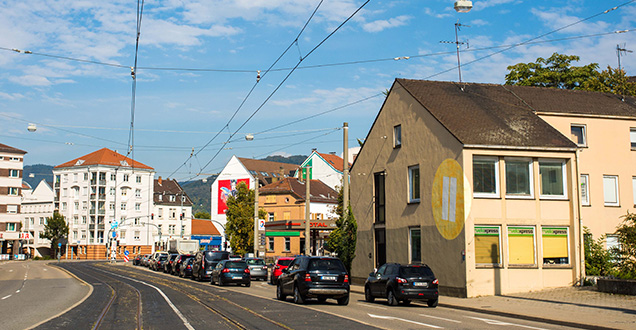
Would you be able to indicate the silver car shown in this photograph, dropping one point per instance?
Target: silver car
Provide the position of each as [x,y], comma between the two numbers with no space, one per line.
[258,268]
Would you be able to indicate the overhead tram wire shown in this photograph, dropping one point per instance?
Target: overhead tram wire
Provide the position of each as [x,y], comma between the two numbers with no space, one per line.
[250,92]
[133,73]
[287,77]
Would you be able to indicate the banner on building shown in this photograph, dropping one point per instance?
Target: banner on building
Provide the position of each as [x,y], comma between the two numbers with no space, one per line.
[227,188]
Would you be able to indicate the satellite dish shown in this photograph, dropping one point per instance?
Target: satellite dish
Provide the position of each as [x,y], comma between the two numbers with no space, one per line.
[32,127]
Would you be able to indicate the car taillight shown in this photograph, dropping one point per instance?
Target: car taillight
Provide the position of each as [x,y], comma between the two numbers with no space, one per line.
[189,267]
[307,277]
[225,270]
[400,280]
[264,267]
[247,270]
[346,279]
[435,281]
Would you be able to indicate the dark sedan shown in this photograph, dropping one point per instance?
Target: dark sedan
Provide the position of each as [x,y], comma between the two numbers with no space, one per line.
[185,267]
[176,265]
[402,283]
[231,271]
[314,277]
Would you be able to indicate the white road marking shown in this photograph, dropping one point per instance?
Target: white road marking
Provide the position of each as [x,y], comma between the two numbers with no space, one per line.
[495,322]
[374,306]
[10,270]
[403,320]
[174,308]
[3,298]
[17,291]
[440,318]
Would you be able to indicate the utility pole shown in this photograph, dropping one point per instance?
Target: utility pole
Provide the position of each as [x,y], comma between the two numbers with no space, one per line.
[256,217]
[307,212]
[345,174]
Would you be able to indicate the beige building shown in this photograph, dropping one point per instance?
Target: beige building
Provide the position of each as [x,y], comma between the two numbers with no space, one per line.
[467,179]
[11,165]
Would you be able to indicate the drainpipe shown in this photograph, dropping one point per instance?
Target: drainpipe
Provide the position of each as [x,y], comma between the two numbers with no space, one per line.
[578,204]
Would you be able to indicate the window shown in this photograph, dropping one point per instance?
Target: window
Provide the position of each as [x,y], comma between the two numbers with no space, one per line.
[11,226]
[555,245]
[138,193]
[123,207]
[137,206]
[287,244]
[160,213]
[159,197]
[126,176]
[12,209]
[136,236]
[487,245]
[74,235]
[85,176]
[63,206]
[13,191]
[415,242]
[518,178]
[74,177]
[138,179]
[172,213]
[521,246]
[397,136]
[41,221]
[270,216]
[83,220]
[172,198]
[270,241]
[14,173]
[632,138]
[610,190]
[183,199]
[111,206]
[634,189]
[414,184]
[485,177]
[552,178]
[124,191]
[76,219]
[577,134]
[380,198]
[113,177]
[585,189]
[76,206]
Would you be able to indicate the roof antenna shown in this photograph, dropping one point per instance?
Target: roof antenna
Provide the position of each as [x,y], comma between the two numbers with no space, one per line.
[621,50]
[457,43]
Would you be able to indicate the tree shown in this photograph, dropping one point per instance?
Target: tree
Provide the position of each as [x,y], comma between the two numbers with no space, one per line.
[202,215]
[598,260]
[55,230]
[626,252]
[342,240]
[610,81]
[240,219]
[556,71]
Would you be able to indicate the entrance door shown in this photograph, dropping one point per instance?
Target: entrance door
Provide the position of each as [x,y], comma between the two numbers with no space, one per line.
[380,247]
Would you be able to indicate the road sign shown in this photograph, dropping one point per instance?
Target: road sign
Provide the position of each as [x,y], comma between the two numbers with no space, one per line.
[125,258]
[114,234]
[59,245]
[114,225]
[261,224]
[126,253]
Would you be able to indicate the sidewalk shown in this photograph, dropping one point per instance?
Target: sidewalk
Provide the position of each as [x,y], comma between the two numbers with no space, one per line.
[568,306]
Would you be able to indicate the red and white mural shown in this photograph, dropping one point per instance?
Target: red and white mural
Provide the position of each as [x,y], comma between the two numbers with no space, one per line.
[227,188]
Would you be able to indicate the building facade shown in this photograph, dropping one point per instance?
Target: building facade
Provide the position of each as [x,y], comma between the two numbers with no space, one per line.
[104,195]
[11,168]
[327,168]
[37,206]
[172,211]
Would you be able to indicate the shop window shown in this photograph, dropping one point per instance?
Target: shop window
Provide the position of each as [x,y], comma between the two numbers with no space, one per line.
[485,177]
[555,245]
[488,245]
[521,246]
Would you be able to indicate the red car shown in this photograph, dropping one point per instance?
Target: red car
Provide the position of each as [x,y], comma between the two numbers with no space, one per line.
[281,263]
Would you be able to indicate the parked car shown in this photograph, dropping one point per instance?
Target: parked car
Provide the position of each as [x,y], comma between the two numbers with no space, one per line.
[137,259]
[144,260]
[258,268]
[314,277]
[185,267]
[167,266]
[402,283]
[231,271]
[205,261]
[160,260]
[279,266]
[176,265]
[154,257]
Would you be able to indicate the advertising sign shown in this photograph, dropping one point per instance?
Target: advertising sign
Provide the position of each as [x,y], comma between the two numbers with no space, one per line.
[227,188]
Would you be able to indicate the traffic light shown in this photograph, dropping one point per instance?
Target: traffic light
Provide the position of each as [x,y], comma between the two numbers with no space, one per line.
[152,216]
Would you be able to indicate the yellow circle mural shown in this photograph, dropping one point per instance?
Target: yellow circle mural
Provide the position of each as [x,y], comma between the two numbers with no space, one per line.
[448,199]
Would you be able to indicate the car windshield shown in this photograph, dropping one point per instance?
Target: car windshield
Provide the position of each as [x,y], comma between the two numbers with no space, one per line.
[215,256]
[285,262]
[416,271]
[259,262]
[326,264]
[236,264]
[163,257]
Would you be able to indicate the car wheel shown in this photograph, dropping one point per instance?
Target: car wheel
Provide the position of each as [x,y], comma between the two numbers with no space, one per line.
[406,302]
[343,301]
[390,298]
[298,298]
[248,284]
[432,302]
[279,293]
[367,295]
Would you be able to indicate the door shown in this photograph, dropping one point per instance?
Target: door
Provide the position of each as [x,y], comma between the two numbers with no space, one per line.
[287,277]
[374,285]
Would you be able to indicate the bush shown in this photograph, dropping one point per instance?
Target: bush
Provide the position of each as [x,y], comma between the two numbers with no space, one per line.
[598,260]
[626,252]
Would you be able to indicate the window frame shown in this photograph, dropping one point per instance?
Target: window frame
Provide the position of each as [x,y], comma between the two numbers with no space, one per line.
[567,240]
[412,247]
[587,201]
[495,161]
[564,178]
[13,173]
[397,136]
[616,191]
[632,138]
[287,244]
[499,245]
[530,182]
[583,128]
[534,247]
[412,184]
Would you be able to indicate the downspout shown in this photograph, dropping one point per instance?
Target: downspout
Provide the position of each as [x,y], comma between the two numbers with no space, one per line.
[578,204]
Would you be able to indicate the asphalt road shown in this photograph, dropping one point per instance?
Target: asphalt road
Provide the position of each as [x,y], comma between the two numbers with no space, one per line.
[131,297]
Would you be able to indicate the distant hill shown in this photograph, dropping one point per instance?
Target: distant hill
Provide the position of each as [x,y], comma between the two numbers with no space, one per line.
[297,159]
[39,172]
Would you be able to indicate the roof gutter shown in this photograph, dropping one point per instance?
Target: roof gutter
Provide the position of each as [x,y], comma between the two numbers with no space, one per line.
[583,115]
[481,146]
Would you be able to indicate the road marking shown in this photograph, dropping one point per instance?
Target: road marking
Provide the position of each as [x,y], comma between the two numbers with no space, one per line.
[3,298]
[10,270]
[440,318]
[17,291]
[374,306]
[403,320]
[495,322]
[174,308]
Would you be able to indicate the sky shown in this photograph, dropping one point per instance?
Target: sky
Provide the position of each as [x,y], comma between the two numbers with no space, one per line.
[196,93]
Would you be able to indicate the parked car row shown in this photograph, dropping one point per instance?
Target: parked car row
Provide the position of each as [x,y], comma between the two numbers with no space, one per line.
[301,277]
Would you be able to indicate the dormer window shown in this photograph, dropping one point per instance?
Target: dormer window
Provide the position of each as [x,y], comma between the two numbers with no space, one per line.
[172,198]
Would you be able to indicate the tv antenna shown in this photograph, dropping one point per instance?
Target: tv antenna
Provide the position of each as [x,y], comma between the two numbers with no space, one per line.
[457,43]
[621,50]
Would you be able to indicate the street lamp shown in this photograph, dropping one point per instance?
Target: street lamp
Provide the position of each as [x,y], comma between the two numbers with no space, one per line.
[463,6]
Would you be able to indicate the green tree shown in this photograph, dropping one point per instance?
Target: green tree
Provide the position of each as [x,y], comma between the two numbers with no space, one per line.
[240,219]
[556,71]
[626,251]
[55,230]
[202,215]
[598,260]
[610,81]
[342,240]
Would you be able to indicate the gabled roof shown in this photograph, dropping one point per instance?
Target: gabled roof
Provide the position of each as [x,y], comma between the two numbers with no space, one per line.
[491,115]
[6,148]
[106,157]
[167,187]
[258,167]
[319,192]
[204,227]
[335,161]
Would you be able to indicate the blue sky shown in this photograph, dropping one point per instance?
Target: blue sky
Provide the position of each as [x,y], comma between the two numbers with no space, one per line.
[82,106]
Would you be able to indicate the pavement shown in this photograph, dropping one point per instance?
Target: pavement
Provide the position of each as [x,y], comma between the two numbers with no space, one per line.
[579,307]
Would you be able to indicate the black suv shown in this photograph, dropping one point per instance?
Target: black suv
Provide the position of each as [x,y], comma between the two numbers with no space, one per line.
[314,277]
[205,261]
[402,283]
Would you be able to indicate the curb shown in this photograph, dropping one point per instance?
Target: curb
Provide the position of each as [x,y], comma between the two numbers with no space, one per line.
[512,315]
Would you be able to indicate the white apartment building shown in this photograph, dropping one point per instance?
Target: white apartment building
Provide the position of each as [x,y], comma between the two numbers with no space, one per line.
[172,211]
[101,193]
[37,205]
[11,165]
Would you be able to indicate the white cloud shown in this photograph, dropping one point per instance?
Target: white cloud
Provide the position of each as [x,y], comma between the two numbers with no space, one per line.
[558,18]
[380,25]
[31,80]
[479,22]
[430,12]
[11,97]
[481,5]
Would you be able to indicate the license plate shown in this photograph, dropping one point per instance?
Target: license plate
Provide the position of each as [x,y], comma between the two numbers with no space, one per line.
[424,284]
[237,277]
[328,278]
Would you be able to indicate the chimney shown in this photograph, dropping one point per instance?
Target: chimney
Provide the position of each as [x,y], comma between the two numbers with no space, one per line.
[159,180]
